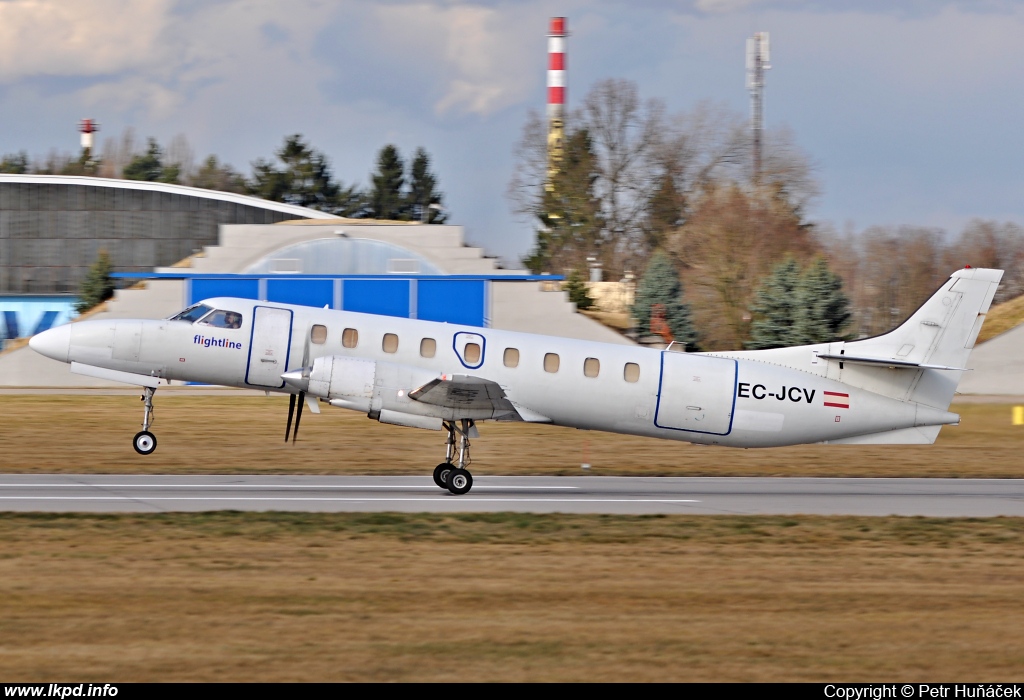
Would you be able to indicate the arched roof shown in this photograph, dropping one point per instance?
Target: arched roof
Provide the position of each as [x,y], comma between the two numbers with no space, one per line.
[182,190]
[344,256]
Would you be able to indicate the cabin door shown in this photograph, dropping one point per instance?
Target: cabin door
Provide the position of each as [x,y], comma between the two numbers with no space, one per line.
[696,393]
[268,349]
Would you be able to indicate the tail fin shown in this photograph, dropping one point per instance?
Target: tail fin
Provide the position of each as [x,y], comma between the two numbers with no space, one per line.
[936,341]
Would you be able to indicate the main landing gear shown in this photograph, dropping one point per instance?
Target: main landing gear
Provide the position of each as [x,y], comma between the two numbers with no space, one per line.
[144,441]
[447,475]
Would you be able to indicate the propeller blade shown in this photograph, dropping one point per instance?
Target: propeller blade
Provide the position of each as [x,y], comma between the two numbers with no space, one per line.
[305,353]
[298,416]
[291,412]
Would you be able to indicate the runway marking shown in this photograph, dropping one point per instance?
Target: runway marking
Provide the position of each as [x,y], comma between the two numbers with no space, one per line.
[460,499]
[281,486]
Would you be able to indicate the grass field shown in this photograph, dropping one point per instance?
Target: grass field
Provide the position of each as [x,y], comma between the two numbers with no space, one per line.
[504,597]
[509,597]
[245,434]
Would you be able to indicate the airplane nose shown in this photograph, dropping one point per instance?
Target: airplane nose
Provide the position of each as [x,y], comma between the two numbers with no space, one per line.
[54,343]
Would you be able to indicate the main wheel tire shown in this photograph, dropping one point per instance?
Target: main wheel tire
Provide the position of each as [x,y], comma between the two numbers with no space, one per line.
[460,481]
[441,472]
[144,442]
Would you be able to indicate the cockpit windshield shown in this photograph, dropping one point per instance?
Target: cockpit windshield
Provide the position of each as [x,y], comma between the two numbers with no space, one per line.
[223,319]
[192,313]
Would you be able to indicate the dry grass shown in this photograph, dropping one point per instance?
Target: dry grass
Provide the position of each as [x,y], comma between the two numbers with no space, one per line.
[509,597]
[219,435]
[1002,318]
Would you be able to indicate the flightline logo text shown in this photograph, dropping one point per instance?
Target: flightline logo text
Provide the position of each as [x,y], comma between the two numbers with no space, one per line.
[216,342]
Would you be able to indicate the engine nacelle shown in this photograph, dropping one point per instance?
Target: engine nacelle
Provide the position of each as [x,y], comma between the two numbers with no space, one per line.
[335,377]
[366,385]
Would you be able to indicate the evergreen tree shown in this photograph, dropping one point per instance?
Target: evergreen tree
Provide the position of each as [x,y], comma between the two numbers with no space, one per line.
[827,308]
[661,285]
[578,293]
[214,176]
[665,210]
[386,200]
[149,166]
[778,316]
[797,306]
[14,163]
[423,191]
[571,221]
[304,179]
[98,285]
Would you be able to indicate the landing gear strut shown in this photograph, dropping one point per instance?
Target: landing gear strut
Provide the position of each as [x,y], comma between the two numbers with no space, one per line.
[447,475]
[144,441]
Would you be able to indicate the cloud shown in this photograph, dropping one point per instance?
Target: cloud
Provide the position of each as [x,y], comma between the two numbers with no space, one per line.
[48,37]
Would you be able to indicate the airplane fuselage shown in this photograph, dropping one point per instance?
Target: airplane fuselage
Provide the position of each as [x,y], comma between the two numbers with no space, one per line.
[378,361]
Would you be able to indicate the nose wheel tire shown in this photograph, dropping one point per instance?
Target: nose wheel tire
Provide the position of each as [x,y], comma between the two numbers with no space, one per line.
[460,481]
[441,472]
[144,442]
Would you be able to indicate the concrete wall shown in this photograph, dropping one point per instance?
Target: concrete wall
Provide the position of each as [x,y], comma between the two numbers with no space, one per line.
[997,367]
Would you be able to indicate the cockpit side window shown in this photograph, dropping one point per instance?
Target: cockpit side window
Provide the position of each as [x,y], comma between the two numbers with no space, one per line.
[223,319]
[192,313]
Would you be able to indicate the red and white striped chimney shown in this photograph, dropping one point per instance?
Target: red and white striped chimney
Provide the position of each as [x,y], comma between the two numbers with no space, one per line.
[556,68]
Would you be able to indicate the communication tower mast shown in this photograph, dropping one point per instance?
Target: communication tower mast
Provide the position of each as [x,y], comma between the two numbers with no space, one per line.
[757,63]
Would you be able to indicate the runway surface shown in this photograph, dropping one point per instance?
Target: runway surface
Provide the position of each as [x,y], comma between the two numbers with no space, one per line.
[632,495]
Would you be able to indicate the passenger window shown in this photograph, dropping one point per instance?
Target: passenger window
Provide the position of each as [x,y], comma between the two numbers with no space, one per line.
[631,373]
[511,357]
[223,319]
[350,338]
[390,343]
[472,353]
[428,347]
[591,367]
[318,335]
[551,362]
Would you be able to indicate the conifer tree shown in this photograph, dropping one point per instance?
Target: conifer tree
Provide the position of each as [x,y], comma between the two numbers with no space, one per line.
[98,285]
[578,293]
[386,199]
[571,221]
[661,285]
[795,306]
[423,191]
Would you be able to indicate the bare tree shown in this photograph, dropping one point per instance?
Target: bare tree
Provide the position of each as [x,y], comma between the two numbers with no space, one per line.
[181,155]
[730,243]
[117,153]
[627,135]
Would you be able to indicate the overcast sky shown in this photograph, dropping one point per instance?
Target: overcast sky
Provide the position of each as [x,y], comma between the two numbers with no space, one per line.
[911,110]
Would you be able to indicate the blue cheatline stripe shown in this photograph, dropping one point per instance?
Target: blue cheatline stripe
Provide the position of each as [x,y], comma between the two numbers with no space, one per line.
[46,322]
[11,319]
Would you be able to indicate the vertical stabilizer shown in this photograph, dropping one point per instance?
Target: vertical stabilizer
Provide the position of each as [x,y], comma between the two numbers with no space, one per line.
[941,332]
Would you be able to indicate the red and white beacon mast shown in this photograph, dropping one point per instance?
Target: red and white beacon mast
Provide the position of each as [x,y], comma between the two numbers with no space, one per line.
[88,127]
[556,97]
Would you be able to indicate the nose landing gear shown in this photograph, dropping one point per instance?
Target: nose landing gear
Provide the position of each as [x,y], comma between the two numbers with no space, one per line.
[144,441]
[447,475]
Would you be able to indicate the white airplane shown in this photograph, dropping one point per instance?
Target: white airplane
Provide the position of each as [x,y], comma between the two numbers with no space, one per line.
[894,388]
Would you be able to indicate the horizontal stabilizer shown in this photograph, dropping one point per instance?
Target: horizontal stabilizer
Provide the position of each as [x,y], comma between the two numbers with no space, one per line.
[886,362]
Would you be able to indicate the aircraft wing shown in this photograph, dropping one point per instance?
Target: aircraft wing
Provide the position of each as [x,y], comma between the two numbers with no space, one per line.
[462,391]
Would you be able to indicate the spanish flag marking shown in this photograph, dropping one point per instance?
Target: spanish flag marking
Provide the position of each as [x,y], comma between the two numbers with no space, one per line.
[836,399]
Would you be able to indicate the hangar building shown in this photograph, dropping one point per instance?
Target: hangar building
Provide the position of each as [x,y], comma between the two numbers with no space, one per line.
[395,268]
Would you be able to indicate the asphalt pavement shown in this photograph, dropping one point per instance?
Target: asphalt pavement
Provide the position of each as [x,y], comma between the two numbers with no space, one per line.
[581,494]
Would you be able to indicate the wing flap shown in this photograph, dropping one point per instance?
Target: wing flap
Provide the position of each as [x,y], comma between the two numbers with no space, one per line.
[465,392]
